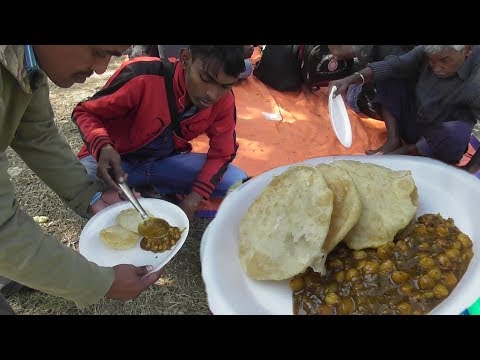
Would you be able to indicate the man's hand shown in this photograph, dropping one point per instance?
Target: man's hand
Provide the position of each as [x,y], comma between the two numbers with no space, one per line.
[130,281]
[191,203]
[341,84]
[361,77]
[109,159]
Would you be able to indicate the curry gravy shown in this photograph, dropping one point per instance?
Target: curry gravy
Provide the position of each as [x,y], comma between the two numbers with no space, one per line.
[409,276]
[163,243]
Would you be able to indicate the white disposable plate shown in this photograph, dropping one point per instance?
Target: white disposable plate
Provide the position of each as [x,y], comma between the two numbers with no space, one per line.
[442,189]
[93,248]
[339,119]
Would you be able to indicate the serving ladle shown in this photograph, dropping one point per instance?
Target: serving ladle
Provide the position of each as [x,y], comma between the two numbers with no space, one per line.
[150,227]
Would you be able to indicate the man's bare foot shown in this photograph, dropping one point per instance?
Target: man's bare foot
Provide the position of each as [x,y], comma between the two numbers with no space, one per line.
[388,147]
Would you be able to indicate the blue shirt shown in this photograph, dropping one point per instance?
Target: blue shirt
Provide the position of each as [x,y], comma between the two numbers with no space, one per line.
[31,66]
[456,98]
[160,147]
[30,60]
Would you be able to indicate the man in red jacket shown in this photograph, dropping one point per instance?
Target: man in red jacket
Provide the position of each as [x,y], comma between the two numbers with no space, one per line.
[141,123]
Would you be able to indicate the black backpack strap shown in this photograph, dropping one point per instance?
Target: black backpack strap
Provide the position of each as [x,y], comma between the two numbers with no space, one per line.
[172,106]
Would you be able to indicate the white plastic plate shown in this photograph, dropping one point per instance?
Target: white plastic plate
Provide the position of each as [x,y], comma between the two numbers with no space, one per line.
[93,248]
[442,189]
[339,119]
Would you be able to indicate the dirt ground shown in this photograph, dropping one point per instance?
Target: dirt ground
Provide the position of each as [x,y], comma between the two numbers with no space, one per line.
[179,291]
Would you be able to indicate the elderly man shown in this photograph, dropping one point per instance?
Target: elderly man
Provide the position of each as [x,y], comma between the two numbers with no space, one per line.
[360,97]
[429,98]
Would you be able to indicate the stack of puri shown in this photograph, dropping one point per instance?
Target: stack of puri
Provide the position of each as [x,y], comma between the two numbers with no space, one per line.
[124,234]
[307,210]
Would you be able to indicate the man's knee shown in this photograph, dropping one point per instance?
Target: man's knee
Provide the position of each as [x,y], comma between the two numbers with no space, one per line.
[449,143]
[232,175]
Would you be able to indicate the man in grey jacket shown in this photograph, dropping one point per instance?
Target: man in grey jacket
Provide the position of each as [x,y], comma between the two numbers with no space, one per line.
[27,255]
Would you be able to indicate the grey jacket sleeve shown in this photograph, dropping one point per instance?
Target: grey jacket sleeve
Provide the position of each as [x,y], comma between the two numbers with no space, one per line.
[27,254]
[32,258]
[38,142]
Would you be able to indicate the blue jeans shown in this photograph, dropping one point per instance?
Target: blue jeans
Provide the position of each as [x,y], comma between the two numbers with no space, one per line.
[248,69]
[171,175]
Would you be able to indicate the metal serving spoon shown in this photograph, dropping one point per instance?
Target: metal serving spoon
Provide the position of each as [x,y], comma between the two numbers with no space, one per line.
[150,227]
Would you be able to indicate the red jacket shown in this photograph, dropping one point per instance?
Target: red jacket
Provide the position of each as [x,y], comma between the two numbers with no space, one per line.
[132,109]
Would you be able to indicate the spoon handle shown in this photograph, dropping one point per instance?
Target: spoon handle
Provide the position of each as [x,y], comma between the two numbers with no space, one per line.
[128,192]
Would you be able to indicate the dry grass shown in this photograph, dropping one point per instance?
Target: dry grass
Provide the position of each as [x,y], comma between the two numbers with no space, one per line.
[179,291]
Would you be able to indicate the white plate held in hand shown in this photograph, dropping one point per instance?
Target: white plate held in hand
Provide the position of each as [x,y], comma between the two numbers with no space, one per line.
[93,248]
[339,119]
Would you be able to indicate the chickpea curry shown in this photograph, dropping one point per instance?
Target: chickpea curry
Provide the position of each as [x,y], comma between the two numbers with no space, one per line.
[160,237]
[411,275]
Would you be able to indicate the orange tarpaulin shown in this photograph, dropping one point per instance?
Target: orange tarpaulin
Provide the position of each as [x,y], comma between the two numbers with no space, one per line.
[277,128]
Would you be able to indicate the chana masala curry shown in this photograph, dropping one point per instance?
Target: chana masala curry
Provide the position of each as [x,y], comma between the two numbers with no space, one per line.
[155,234]
[347,237]
[409,276]
[159,236]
